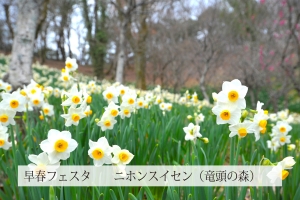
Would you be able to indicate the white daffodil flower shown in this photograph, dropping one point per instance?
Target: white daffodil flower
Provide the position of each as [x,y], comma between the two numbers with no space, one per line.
[259,124]
[14,101]
[226,113]
[100,151]
[111,94]
[73,116]
[129,99]
[281,127]
[112,109]
[59,145]
[233,93]
[41,166]
[192,132]
[121,156]
[74,97]
[107,122]
[125,111]
[4,143]
[241,129]
[288,162]
[7,117]
[71,64]
[48,109]
[273,144]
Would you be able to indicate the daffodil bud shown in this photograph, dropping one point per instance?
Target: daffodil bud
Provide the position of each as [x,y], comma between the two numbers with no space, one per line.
[266,112]
[253,111]
[24,117]
[214,96]
[41,117]
[205,140]
[266,162]
[22,92]
[244,114]
[288,162]
[291,147]
[97,120]
[89,99]
[189,117]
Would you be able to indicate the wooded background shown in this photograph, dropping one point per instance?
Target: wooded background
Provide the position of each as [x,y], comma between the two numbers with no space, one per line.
[174,43]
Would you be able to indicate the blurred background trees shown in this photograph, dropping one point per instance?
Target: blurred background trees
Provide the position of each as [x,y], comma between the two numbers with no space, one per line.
[174,43]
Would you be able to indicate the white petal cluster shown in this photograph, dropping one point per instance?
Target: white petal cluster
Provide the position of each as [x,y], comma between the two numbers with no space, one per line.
[78,101]
[230,101]
[59,145]
[279,135]
[4,143]
[101,153]
[280,170]
[192,132]
[259,121]
[41,165]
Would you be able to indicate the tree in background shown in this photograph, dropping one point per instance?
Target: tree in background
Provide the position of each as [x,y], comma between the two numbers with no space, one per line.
[267,40]
[139,46]
[124,15]
[96,34]
[175,43]
[132,15]
[20,72]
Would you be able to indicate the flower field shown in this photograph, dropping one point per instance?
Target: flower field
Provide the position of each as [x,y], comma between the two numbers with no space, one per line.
[65,118]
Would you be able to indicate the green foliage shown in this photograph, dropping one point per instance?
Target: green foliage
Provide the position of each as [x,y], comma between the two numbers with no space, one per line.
[2,61]
[154,139]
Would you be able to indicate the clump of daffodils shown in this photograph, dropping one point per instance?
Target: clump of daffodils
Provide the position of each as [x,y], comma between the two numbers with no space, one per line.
[231,100]
[189,100]
[70,67]
[108,120]
[101,153]
[230,105]
[280,169]
[26,99]
[283,115]
[75,105]
[29,98]
[76,100]
[279,135]
[122,101]
[198,118]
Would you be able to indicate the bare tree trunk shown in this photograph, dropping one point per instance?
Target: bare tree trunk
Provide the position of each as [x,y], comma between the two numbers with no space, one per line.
[20,72]
[121,54]
[140,51]
[96,35]
[44,46]
[69,42]
[202,82]
[8,22]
